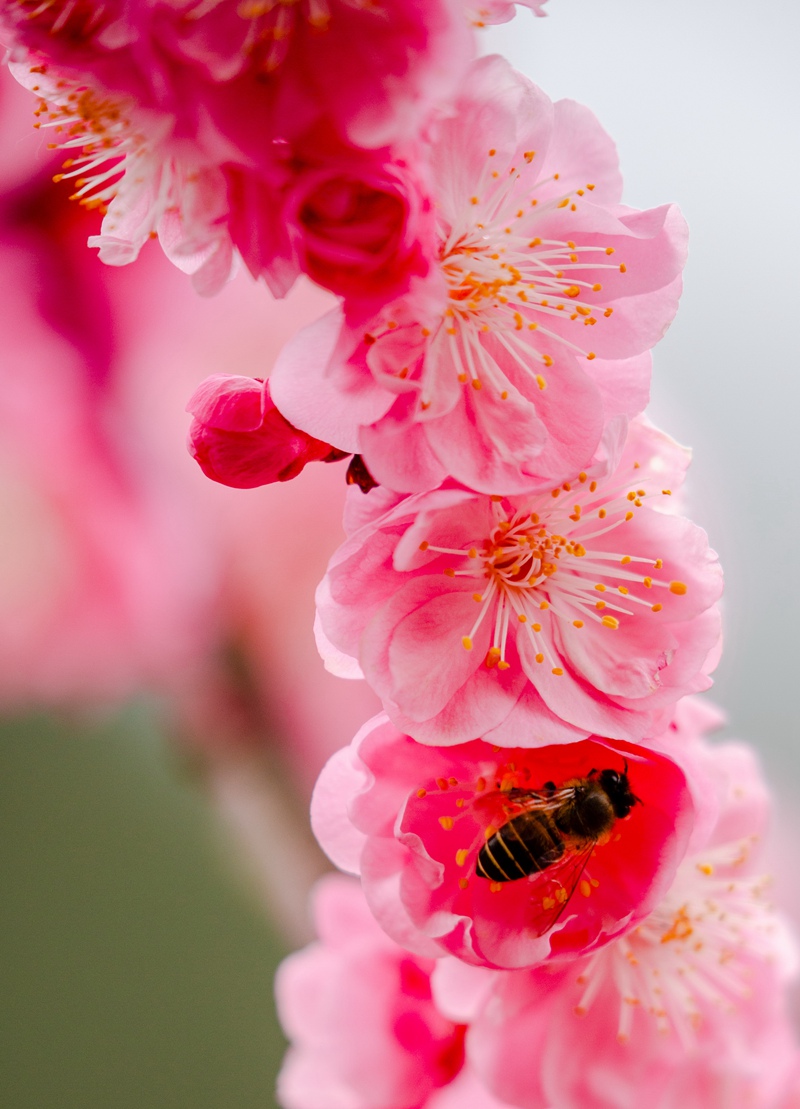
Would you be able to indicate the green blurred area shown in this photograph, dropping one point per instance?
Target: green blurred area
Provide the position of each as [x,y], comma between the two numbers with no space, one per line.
[136,971]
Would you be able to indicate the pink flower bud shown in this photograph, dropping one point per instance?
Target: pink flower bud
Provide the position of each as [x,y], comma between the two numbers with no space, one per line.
[239,438]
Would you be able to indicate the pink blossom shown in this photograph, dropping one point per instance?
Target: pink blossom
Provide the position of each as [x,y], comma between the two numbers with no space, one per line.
[412,821]
[359,223]
[357,1008]
[528,340]
[129,163]
[238,437]
[686,1011]
[529,619]
[192,120]
[500,11]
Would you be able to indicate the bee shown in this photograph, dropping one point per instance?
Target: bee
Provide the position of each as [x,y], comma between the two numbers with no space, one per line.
[552,832]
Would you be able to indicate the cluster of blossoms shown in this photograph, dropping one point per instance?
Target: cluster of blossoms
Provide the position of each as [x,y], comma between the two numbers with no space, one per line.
[561,901]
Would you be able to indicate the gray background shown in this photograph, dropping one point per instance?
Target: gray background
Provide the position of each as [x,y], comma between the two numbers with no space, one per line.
[703,100]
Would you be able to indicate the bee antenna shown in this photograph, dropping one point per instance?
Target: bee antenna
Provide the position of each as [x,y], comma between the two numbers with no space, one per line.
[626,766]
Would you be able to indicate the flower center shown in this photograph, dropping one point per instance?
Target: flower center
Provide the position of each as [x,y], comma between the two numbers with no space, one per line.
[543,562]
[95,128]
[271,24]
[74,19]
[691,955]
[508,286]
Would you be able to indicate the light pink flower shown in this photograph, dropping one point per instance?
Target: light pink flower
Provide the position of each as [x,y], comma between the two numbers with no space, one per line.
[412,820]
[239,438]
[485,12]
[504,367]
[529,619]
[131,164]
[687,1011]
[357,1008]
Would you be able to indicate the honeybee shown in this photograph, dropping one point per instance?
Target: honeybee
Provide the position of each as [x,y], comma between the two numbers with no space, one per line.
[552,832]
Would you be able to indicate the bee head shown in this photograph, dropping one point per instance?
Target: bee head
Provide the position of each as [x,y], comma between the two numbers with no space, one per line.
[618,788]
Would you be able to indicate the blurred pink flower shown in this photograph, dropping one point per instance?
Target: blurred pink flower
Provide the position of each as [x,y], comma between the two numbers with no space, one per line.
[486,369]
[123,567]
[529,619]
[412,820]
[365,1033]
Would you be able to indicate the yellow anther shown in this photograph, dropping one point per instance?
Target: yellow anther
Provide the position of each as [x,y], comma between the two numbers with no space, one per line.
[600,588]
[541,382]
[540,657]
[463,883]
[611,622]
[424,545]
[656,608]
[446,822]
[461,856]
[623,590]
[585,888]
[422,793]
[536,627]
[557,671]
[577,623]
[480,785]
[503,665]
[677,587]
[466,643]
[625,560]
[522,618]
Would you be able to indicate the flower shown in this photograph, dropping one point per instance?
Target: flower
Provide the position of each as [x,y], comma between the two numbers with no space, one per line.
[530,619]
[504,367]
[128,163]
[500,11]
[689,1006]
[413,821]
[239,438]
[198,120]
[365,1033]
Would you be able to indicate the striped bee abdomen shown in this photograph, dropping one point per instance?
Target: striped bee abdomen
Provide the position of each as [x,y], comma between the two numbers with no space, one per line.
[526,844]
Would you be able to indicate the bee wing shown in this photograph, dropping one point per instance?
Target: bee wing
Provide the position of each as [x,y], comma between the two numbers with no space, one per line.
[527,800]
[552,889]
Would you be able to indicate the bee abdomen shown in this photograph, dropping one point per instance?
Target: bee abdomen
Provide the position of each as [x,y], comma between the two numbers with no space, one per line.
[524,845]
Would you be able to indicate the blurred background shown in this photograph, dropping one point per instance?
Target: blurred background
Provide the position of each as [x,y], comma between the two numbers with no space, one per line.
[165,713]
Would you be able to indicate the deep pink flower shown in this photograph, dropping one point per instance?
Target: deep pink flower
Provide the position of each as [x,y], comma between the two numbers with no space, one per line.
[239,438]
[686,1011]
[357,1008]
[412,820]
[188,121]
[504,367]
[358,222]
[530,619]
